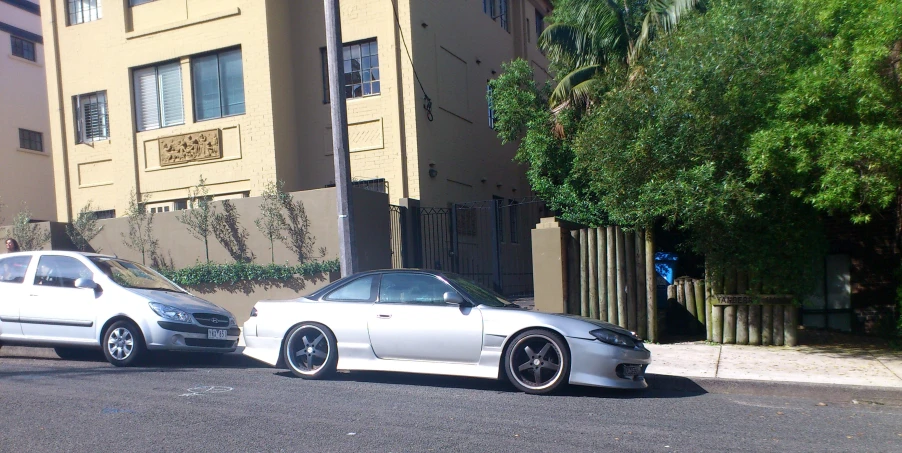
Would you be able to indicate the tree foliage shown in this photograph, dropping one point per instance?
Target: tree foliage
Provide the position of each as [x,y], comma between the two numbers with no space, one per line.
[84,228]
[742,128]
[200,215]
[30,236]
[271,220]
[140,228]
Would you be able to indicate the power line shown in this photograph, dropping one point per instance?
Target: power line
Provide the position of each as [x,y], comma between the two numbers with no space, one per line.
[427,102]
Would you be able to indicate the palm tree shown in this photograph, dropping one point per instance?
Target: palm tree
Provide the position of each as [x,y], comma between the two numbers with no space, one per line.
[601,32]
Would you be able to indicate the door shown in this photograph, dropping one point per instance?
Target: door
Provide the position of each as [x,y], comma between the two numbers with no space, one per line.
[411,321]
[54,308]
[12,292]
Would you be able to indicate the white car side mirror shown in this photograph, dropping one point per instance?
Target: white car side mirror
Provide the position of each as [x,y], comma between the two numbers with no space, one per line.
[452,298]
[86,283]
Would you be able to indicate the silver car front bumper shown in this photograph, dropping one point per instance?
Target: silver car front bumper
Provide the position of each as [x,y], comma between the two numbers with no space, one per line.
[599,364]
[174,336]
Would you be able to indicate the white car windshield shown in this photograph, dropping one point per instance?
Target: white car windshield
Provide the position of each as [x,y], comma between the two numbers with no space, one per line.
[132,275]
[480,295]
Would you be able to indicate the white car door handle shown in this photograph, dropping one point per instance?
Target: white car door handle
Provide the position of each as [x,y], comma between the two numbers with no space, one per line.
[383,316]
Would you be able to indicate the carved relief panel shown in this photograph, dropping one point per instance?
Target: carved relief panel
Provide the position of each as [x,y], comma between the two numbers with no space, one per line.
[193,147]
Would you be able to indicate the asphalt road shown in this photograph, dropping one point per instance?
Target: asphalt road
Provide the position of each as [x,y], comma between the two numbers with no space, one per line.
[48,404]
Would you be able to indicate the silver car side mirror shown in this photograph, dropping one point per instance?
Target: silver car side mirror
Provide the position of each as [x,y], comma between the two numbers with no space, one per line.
[86,283]
[453,298]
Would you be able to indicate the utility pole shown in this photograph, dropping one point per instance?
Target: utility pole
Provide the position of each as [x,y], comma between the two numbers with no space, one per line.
[346,238]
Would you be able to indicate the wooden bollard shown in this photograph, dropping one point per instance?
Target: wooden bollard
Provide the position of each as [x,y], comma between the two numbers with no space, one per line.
[790,325]
[612,273]
[767,325]
[729,324]
[717,316]
[583,273]
[754,325]
[689,296]
[593,273]
[699,286]
[602,244]
[742,324]
[778,325]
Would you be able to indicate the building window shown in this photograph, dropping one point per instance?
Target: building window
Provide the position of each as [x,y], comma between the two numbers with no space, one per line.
[497,10]
[81,11]
[158,96]
[108,214]
[218,81]
[92,117]
[22,48]
[31,140]
[361,68]
[139,2]
[180,205]
[490,97]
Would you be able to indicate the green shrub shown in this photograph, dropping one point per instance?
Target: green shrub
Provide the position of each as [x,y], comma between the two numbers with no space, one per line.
[232,273]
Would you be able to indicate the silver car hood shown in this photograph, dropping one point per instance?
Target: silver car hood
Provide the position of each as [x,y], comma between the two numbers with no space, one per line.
[182,301]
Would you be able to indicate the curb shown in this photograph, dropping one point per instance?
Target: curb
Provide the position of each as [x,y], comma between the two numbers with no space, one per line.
[827,393]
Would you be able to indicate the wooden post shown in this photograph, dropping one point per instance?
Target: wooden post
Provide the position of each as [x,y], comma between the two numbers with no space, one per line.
[754,325]
[621,280]
[742,324]
[573,273]
[778,325]
[641,301]
[583,273]
[742,281]
[767,325]
[681,295]
[651,289]
[593,273]
[729,281]
[612,274]
[717,315]
[709,309]
[790,325]
[700,302]
[689,291]
[729,324]
[602,274]
[631,308]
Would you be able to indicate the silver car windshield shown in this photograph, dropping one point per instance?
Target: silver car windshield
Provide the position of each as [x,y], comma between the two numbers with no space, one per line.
[132,275]
[480,295]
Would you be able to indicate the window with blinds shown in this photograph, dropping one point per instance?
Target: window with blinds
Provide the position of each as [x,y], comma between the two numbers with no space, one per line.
[498,10]
[81,11]
[158,96]
[218,81]
[92,117]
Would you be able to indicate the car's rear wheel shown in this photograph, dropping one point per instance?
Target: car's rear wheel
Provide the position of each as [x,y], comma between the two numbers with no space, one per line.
[310,351]
[537,361]
[123,344]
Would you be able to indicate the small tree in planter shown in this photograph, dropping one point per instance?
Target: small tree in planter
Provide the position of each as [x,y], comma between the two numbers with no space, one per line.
[140,228]
[30,236]
[271,221]
[200,216]
[84,228]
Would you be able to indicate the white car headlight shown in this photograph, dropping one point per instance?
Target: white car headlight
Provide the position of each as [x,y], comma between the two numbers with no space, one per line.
[170,313]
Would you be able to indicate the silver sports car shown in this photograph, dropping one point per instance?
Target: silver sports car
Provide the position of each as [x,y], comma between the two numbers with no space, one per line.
[430,322]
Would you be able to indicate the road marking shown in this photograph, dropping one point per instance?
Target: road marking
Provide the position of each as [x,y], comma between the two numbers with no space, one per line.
[206,390]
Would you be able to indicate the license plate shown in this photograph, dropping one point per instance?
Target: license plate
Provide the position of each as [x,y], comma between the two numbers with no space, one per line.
[217,334]
[631,370]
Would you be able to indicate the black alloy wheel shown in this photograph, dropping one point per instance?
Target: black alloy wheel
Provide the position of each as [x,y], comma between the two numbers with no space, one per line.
[537,362]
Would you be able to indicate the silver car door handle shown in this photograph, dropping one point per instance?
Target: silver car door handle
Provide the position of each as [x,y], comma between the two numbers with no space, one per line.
[383,316]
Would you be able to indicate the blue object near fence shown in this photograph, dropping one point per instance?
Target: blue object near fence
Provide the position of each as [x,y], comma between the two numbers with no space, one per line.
[665,265]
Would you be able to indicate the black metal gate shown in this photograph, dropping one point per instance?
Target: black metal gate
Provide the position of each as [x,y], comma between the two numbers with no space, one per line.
[488,242]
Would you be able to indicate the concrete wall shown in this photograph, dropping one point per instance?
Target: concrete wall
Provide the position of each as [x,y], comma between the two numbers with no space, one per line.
[26,176]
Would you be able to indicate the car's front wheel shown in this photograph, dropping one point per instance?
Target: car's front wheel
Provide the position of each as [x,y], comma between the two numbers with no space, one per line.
[123,344]
[537,361]
[310,351]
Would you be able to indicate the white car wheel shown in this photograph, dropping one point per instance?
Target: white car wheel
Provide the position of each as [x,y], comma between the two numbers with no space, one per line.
[310,352]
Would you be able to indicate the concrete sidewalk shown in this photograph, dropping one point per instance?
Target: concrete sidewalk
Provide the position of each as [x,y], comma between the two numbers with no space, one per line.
[839,365]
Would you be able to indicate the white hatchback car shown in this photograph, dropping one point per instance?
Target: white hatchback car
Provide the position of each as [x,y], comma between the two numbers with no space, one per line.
[69,300]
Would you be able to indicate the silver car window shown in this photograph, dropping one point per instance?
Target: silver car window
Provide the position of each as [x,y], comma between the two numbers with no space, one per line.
[12,269]
[132,275]
[359,290]
[60,271]
[413,289]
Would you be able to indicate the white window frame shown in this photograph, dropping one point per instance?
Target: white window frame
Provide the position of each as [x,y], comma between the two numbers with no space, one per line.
[93,11]
[99,97]
[168,108]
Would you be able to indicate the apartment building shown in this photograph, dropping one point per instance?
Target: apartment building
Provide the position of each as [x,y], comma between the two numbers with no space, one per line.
[150,95]
[26,167]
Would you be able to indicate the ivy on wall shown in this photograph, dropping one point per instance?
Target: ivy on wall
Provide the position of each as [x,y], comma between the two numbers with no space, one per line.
[232,273]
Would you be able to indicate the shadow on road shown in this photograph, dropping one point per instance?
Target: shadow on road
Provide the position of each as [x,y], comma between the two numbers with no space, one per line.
[659,386]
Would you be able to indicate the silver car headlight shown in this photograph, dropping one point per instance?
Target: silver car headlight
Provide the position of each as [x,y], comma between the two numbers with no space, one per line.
[170,313]
[232,322]
[614,338]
